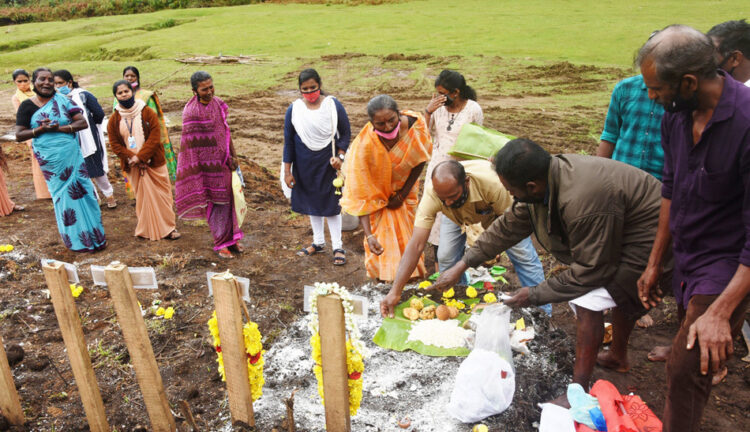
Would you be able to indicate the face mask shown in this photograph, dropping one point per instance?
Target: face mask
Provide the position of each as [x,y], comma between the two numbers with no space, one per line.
[134,84]
[312,96]
[64,89]
[679,103]
[461,200]
[389,135]
[128,103]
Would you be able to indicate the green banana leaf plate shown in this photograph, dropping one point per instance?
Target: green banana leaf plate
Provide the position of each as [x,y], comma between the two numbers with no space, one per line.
[394,332]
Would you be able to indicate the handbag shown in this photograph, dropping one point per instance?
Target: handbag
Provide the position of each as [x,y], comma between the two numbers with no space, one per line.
[240,207]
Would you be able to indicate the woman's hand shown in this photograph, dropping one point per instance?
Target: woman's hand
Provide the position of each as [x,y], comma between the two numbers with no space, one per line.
[336,163]
[374,245]
[289,179]
[133,160]
[395,201]
[233,163]
[436,102]
[48,126]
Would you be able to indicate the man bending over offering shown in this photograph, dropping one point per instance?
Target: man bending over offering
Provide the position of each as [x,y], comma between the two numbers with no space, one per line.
[595,215]
[466,193]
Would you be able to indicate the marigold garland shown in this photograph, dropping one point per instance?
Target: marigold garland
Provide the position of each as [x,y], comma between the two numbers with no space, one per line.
[253,348]
[354,347]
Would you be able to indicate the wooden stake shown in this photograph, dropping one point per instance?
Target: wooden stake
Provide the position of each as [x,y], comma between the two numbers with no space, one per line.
[72,333]
[10,405]
[141,353]
[229,316]
[333,357]
[290,413]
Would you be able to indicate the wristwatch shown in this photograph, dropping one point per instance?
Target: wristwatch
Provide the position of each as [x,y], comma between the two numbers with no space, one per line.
[341,156]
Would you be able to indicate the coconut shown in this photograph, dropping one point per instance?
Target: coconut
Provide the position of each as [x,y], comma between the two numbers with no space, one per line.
[442,312]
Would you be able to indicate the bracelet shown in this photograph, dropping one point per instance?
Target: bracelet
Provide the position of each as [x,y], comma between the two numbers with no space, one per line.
[368,237]
[33,132]
[426,111]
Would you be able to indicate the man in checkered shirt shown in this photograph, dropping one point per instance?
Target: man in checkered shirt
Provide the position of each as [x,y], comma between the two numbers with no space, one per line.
[632,130]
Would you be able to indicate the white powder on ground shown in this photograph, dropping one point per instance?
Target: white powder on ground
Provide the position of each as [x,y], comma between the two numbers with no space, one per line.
[443,334]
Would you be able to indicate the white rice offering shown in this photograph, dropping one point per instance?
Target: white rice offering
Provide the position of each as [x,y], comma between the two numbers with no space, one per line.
[443,334]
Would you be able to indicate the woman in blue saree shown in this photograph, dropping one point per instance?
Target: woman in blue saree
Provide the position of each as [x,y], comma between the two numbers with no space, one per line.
[51,120]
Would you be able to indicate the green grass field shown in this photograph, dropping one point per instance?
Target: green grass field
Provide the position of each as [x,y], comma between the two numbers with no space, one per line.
[286,36]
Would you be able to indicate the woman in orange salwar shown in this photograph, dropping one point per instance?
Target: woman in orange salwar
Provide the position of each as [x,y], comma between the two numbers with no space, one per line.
[382,169]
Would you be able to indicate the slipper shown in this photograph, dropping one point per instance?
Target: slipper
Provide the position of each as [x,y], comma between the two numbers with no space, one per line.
[339,260]
[111,203]
[224,253]
[17,207]
[174,235]
[306,251]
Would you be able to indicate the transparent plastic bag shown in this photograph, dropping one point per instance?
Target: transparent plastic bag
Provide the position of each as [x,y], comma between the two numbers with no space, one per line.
[493,331]
[485,381]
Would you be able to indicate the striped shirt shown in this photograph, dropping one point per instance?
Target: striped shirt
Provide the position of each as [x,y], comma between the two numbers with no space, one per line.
[633,125]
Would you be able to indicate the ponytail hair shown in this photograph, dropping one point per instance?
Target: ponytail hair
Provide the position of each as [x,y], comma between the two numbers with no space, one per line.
[452,80]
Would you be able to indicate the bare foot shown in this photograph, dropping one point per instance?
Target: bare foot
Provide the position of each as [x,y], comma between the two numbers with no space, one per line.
[645,321]
[719,376]
[660,353]
[607,360]
[561,400]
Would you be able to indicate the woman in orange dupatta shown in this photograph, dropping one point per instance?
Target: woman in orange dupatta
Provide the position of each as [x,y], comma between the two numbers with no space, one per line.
[382,169]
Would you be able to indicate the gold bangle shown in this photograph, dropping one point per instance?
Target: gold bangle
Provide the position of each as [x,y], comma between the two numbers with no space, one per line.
[33,132]
[368,237]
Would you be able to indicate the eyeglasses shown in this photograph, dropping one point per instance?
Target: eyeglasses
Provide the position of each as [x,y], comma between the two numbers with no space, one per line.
[450,122]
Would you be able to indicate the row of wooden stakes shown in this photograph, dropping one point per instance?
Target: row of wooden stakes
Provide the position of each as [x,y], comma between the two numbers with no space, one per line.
[229,312]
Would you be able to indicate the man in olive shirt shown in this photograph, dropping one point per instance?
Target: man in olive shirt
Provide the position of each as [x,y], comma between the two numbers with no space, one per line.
[467,193]
[595,215]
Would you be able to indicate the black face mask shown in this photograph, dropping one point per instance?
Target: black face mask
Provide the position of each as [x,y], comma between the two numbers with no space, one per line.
[679,103]
[461,200]
[36,90]
[127,103]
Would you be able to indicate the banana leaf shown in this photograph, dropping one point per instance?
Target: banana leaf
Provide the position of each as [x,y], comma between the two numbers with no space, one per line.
[394,332]
[478,142]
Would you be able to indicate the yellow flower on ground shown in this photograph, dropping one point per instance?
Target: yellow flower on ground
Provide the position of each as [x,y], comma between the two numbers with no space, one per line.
[160,311]
[169,313]
[489,298]
[449,294]
[479,428]
[471,292]
[76,290]
[424,284]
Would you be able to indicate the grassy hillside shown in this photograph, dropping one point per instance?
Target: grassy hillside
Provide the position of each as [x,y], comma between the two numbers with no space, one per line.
[285,36]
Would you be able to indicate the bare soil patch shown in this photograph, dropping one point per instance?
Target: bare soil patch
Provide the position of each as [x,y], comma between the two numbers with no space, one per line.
[521,104]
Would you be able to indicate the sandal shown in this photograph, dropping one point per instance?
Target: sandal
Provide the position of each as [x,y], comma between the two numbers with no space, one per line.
[237,247]
[111,202]
[174,235]
[310,250]
[339,260]
[17,207]
[224,253]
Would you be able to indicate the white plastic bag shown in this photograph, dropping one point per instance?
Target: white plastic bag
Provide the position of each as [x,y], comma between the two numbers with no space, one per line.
[485,381]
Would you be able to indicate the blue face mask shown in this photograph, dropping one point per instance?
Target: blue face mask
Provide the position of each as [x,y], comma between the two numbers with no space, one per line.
[64,90]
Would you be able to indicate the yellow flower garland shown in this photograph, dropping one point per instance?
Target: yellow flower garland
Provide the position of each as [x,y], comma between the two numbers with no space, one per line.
[354,358]
[253,348]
